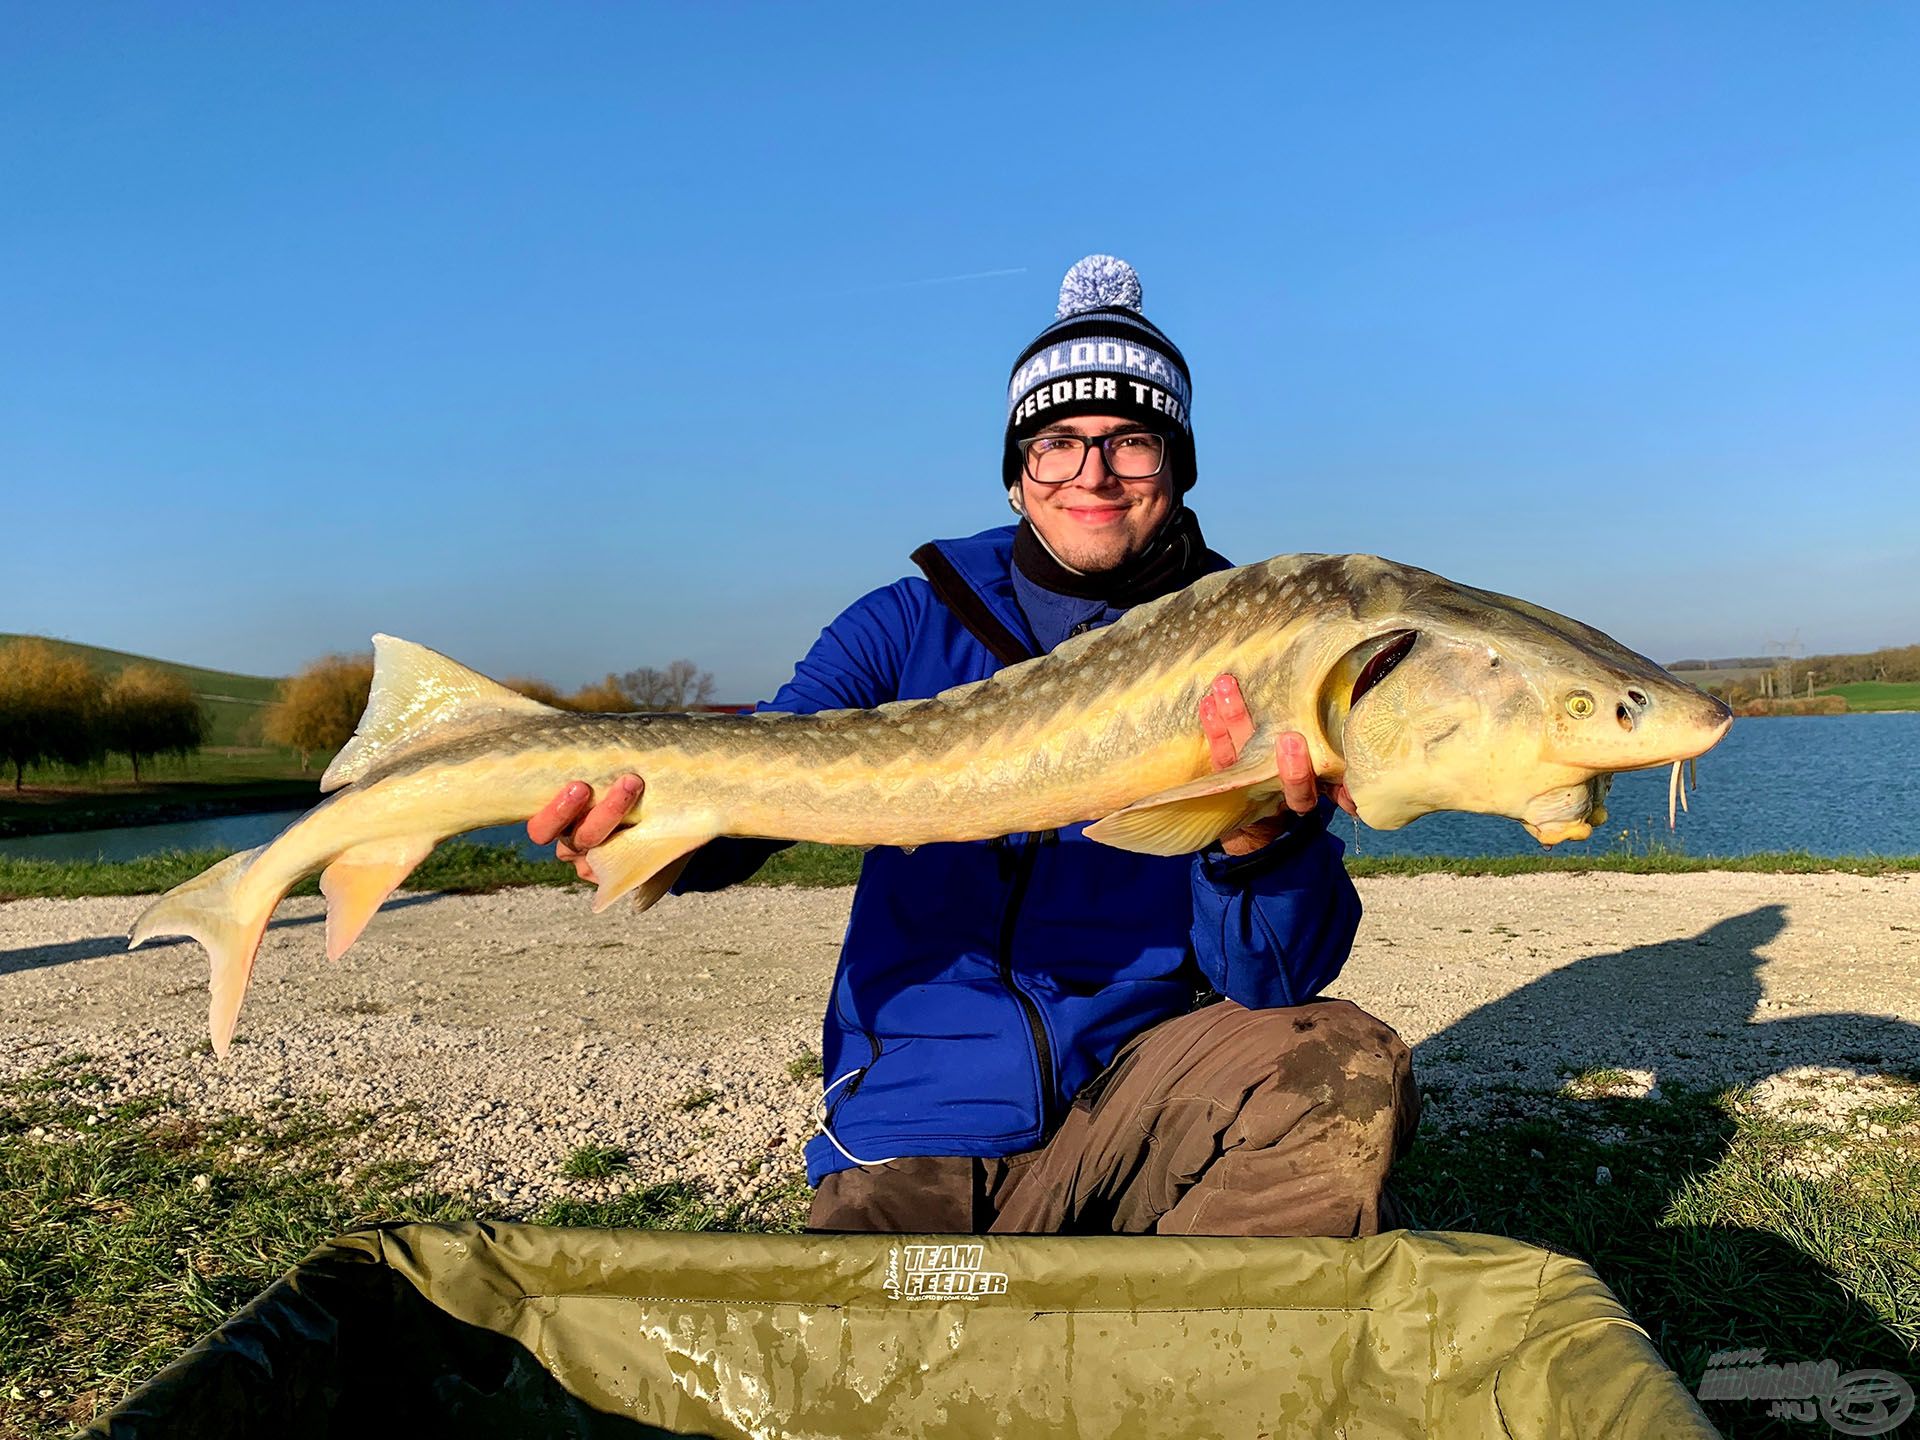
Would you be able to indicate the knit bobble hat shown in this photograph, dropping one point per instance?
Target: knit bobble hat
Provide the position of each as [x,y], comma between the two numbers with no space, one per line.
[1101,356]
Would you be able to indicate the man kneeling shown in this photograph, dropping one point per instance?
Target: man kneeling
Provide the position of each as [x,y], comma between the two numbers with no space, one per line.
[1040,1033]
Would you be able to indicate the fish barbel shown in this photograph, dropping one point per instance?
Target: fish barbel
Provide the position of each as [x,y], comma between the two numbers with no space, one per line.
[1418,694]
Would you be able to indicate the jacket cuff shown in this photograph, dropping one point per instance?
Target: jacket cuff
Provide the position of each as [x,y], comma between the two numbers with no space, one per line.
[1234,872]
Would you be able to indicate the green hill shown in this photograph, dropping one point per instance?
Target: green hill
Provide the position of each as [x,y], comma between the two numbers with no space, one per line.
[235,771]
[233,702]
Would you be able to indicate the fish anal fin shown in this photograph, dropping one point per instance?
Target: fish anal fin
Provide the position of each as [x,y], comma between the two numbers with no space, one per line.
[415,690]
[652,889]
[643,860]
[359,880]
[1192,816]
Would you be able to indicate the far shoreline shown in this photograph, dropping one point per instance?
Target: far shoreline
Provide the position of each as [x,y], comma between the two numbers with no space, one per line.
[110,810]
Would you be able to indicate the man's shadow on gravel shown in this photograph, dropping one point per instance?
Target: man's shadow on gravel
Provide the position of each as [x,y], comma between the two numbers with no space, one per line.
[1678,1008]
[93,947]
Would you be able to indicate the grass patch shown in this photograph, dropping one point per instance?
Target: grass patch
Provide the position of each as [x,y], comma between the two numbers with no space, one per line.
[1705,1232]
[126,1235]
[698,1100]
[807,864]
[594,1162]
[459,868]
[466,868]
[1870,695]
[1777,863]
[124,1238]
[805,1067]
[677,1205]
[1597,1081]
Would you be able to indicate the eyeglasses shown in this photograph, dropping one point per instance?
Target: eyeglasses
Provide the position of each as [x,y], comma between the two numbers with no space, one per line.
[1129,455]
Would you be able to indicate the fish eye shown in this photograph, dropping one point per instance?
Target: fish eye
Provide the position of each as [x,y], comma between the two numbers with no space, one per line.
[1580,704]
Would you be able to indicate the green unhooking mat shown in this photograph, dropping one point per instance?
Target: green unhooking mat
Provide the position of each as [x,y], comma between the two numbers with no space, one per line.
[509,1330]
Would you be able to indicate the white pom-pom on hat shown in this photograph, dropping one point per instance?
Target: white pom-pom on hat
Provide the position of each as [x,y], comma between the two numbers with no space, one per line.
[1099,282]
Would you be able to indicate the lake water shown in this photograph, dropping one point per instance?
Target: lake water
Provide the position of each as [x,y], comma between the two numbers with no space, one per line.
[223,832]
[1827,784]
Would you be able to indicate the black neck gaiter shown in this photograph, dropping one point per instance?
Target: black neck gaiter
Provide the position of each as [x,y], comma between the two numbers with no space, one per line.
[1175,558]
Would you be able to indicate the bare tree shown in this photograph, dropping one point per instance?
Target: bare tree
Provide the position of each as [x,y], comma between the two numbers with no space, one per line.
[680,686]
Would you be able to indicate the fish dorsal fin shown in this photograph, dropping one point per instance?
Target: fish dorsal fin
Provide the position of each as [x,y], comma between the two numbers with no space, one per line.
[415,690]
[1192,816]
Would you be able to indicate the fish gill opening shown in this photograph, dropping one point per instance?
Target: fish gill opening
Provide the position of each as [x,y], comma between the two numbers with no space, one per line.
[1353,675]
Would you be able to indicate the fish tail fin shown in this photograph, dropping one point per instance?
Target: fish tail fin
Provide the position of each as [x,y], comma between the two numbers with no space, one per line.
[214,909]
[416,690]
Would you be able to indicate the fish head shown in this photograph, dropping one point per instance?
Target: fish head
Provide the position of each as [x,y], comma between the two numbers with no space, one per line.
[1461,699]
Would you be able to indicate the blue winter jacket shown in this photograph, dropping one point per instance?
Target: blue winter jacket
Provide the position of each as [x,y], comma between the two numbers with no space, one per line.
[981,985]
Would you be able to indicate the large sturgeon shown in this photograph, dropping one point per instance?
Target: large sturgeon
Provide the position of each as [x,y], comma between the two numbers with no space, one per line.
[1417,693]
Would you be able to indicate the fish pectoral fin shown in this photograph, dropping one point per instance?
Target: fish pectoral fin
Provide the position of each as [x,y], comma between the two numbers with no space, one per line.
[640,860]
[1177,827]
[1192,816]
[359,880]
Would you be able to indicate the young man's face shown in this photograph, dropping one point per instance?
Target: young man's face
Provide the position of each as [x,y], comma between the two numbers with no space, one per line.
[1097,521]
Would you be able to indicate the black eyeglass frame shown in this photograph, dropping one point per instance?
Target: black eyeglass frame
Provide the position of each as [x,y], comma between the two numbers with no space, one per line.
[1087,442]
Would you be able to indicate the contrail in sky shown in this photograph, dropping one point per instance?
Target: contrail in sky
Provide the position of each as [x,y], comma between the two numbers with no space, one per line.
[935,280]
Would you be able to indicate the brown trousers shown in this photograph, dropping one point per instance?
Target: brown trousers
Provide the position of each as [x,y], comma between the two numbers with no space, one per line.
[1227,1121]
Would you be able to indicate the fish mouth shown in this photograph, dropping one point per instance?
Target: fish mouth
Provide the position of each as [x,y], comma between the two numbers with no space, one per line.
[1719,734]
[1569,812]
[1394,649]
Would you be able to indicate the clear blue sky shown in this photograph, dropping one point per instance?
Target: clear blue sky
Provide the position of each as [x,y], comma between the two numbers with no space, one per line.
[567,338]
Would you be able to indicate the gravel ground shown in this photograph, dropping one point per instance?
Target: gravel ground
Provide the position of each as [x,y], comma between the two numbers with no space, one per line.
[490,1036]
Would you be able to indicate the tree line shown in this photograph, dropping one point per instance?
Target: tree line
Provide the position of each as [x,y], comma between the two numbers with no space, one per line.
[319,707]
[56,709]
[1899,662]
[1785,676]
[1895,662]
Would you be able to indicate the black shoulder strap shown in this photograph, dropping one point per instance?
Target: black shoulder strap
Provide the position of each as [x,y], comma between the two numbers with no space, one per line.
[967,606]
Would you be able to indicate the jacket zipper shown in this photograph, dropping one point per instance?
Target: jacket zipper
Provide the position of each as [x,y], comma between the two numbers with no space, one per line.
[1022,864]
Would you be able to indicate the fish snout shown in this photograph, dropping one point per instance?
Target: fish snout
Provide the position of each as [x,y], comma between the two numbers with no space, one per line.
[1629,722]
[1708,719]
[1632,705]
